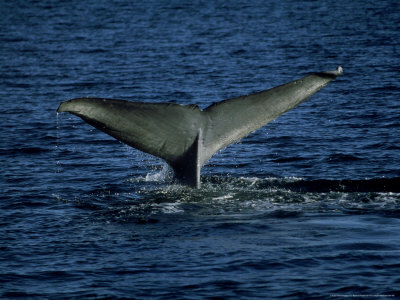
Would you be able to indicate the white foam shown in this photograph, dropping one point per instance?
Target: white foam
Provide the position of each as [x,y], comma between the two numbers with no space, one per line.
[224,197]
[171,208]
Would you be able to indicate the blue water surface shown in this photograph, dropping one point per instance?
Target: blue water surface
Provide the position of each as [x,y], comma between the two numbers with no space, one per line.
[305,208]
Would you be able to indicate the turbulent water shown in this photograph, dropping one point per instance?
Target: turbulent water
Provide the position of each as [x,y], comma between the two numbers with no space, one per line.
[306,207]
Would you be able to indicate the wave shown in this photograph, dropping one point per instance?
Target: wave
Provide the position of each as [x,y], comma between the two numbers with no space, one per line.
[312,186]
[295,184]
[339,157]
[23,151]
[326,185]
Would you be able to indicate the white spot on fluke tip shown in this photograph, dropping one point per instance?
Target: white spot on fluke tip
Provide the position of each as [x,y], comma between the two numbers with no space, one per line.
[337,72]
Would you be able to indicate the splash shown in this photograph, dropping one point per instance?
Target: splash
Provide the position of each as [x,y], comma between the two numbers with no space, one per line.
[163,175]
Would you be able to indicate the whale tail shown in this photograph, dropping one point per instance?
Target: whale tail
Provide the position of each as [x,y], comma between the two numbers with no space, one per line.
[186,137]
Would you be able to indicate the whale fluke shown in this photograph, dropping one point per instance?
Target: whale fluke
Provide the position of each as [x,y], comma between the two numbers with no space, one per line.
[186,136]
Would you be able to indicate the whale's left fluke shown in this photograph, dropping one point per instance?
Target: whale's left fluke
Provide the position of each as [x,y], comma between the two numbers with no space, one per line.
[185,136]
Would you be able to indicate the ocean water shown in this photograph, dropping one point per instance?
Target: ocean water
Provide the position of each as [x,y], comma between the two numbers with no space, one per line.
[307,207]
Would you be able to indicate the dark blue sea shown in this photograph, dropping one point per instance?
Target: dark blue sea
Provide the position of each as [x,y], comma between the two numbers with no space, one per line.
[308,207]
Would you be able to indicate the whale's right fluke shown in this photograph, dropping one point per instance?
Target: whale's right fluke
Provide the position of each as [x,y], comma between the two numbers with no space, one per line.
[235,118]
[185,136]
